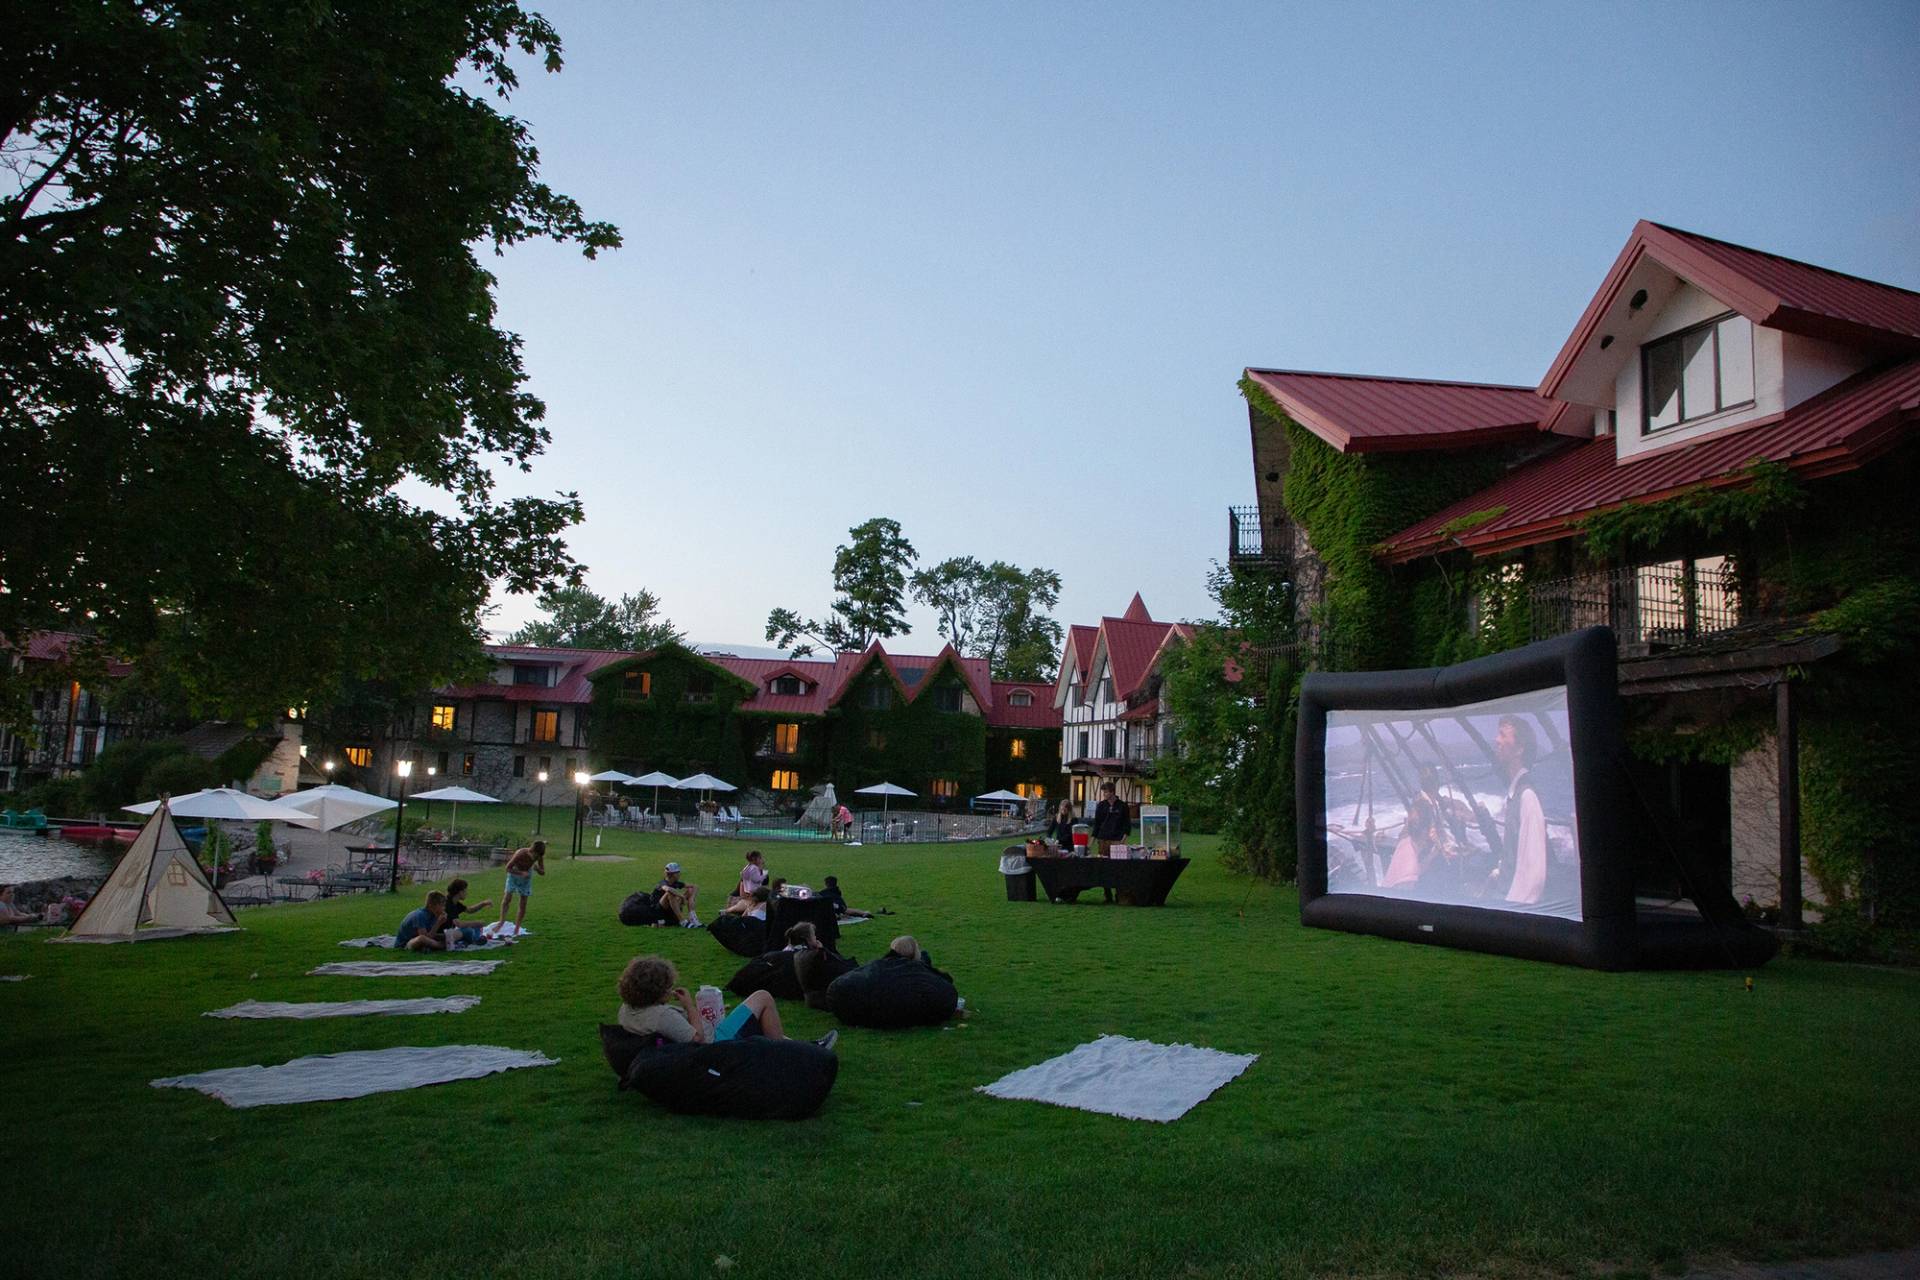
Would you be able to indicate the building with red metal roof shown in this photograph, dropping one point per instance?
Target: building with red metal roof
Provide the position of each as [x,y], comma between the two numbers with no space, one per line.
[936,723]
[1107,695]
[1699,370]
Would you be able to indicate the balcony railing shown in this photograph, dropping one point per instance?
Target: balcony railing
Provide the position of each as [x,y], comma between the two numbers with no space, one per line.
[1646,605]
[1248,540]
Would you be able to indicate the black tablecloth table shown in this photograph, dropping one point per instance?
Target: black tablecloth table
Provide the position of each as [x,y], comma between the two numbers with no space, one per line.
[1136,882]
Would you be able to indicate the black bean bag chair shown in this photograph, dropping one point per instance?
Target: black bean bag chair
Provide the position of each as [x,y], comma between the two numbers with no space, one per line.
[742,935]
[772,973]
[816,968]
[893,992]
[755,1078]
[640,910]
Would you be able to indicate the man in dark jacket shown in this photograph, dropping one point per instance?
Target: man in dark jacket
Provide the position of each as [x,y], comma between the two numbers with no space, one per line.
[1109,825]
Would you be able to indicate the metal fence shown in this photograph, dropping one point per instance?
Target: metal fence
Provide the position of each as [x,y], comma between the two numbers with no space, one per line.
[1249,542]
[1670,603]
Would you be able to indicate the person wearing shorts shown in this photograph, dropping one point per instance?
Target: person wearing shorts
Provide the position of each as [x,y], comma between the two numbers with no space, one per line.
[521,868]
[652,1003]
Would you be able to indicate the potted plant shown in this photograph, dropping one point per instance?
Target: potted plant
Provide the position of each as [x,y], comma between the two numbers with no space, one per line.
[265,859]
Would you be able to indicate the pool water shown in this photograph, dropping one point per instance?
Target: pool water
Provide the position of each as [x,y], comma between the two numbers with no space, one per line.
[26,857]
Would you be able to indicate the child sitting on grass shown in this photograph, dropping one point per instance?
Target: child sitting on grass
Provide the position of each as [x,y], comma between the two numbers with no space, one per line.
[652,1004]
[421,929]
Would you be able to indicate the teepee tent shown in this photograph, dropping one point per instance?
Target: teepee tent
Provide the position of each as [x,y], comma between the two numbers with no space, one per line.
[157,883]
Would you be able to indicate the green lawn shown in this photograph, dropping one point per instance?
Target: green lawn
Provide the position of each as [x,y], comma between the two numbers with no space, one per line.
[1414,1110]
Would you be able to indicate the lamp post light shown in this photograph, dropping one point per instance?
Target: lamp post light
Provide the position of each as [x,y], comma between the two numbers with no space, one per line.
[404,769]
[580,781]
[540,810]
[427,817]
[328,766]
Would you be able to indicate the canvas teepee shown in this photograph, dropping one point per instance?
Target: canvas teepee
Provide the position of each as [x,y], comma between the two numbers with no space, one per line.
[157,883]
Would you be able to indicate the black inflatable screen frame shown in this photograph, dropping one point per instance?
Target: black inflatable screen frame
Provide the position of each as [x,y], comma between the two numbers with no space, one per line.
[1609,936]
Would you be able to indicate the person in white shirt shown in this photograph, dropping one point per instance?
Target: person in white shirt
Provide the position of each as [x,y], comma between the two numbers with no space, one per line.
[1523,864]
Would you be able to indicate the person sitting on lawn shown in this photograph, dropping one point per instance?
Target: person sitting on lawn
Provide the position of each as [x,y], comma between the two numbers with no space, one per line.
[809,964]
[652,1004]
[421,930]
[12,915]
[830,892]
[753,906]
[752,876]
[676,897]
[457,932]
[521,866]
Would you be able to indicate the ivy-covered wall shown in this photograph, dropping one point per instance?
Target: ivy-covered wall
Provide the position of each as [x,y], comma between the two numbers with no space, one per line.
[663,729]
[1040,766]
[911,744]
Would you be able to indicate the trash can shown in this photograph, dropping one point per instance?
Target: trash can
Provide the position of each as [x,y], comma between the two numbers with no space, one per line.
[1019,873]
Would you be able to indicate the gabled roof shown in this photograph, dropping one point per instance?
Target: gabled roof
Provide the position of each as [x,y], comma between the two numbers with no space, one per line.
[1039,714]
[1838,430]
[1356,413]
[58,646]
[573,687]
[1137,610]
[1081,640]
[1769,290]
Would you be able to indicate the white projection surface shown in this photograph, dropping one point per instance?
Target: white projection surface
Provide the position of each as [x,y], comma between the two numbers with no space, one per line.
[1469,805]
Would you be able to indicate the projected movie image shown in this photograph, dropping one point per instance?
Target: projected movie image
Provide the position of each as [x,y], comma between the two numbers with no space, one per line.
[1471,805]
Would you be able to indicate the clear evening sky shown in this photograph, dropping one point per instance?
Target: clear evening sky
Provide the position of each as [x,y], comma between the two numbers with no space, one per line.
[993,270]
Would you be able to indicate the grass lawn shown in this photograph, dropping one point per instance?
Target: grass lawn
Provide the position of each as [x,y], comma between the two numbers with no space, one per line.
[1414,1110]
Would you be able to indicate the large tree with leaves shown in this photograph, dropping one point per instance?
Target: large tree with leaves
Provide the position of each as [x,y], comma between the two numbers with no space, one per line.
[577,618]
[869,594]
[240,307]
[995,611]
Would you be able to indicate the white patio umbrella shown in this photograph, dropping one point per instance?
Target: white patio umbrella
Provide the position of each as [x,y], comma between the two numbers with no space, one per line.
[704,782]
[227,803]
[1003,796]
[334,805]
[459,796]
[886,791]
[656,780]
[612,775]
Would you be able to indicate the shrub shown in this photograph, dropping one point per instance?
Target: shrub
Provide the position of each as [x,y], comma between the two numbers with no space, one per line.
[176,775]
[118,776]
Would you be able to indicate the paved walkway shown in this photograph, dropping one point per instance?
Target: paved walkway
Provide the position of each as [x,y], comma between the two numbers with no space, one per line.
[1898,1264]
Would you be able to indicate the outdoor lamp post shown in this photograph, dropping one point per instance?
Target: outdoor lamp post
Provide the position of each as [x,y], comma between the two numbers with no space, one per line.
[540,810]
[427,817]
[403,769]
[580,781]
[328,766]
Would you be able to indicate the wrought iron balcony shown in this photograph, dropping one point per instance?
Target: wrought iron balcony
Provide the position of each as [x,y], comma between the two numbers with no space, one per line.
[1249,542]
[1647,606]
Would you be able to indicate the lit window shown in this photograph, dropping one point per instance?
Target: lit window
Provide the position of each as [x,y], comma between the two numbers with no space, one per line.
[786,738]
[1017,749]
[359,757]
[443,716]
[1019,698]
[1029,791]
[945,788]
[1079,790]
[546,726]
[466,764]
[1696,372]
[785,780]
[637,684]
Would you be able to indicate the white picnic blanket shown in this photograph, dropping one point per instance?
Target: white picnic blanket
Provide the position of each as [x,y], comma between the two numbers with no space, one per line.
[327,1076]
[14,977]
[406,968]
[386,940]
[343,1008]
[1116,1076]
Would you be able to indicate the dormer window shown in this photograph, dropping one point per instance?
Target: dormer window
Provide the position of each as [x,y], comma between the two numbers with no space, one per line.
[524,674]
[1019,698]
[1697,372]
[790,686]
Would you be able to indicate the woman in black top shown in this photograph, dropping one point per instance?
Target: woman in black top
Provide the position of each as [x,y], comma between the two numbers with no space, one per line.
[1061,828]
[456,907]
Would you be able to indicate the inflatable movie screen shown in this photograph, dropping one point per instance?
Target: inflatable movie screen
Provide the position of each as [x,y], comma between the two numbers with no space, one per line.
[1489,806]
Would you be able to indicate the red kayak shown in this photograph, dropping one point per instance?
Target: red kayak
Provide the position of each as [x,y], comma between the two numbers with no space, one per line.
[100,833]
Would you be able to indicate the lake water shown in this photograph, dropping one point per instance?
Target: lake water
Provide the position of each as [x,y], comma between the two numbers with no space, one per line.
[28,857]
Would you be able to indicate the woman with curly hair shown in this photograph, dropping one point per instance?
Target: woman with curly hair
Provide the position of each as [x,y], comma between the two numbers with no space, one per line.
[653,1004]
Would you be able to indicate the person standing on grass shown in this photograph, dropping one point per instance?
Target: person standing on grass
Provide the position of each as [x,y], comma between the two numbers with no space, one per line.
[422,929]
[652,1004]
[1110,823]
[524,863]
[1061,828]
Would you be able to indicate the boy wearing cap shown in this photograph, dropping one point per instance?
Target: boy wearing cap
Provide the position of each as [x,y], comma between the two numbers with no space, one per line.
[676,897]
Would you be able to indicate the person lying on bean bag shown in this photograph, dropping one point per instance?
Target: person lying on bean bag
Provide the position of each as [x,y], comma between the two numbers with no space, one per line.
[815,965]
[778,972]
[900,989]
[745,1066]
[742,927]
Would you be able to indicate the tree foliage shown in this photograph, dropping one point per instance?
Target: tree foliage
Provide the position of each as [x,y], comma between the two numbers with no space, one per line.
[995,611]
[577,618]
[239,307]
[870,594]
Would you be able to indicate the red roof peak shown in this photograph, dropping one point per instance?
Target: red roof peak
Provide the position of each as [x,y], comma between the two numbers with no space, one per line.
[1137,611]
[1359,413]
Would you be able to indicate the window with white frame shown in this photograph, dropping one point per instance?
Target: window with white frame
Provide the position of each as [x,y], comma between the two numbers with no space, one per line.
[1697,372]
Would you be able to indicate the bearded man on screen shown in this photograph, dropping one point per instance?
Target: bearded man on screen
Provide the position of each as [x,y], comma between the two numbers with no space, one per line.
[1523,862]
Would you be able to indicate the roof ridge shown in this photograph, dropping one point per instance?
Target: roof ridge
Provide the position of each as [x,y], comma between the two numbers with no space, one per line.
[1781,257]
[1392,377]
